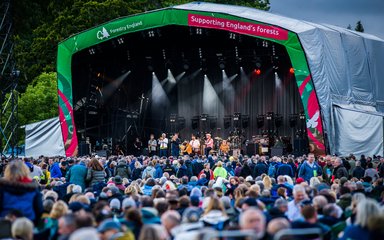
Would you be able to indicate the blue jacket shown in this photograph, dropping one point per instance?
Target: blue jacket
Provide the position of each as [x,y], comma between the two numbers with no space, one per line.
[147,190]
[158,172]
[77,175]
[285,169]
[55,171]
[259,169]
[25,197]
[307,172]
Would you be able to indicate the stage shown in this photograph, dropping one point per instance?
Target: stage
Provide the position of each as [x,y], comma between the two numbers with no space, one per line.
[188,80]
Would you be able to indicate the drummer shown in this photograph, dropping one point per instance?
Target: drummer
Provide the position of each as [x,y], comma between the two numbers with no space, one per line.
[224,147]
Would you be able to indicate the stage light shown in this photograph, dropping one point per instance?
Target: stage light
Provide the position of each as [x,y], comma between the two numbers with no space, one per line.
[151,33]
[120,40]
[257,71]
[199,31]
[222,65]
[164,54]
[98,74]
[232,36]
[92,51]
[200,53]
[292,70]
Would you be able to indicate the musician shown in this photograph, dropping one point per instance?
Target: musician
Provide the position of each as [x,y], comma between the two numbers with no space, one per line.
[208,144]
[175,144]
[163,143]
[195,144]
[138,145]
[152,145]
[185,148]
[224,147]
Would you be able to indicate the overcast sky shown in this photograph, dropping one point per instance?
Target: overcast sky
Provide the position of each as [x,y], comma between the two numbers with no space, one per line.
[335,12]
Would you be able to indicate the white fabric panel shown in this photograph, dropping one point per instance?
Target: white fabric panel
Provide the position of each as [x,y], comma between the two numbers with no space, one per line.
[44,138]
[357,132]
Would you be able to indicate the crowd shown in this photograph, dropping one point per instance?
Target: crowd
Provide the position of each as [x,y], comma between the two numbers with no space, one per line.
[127,197]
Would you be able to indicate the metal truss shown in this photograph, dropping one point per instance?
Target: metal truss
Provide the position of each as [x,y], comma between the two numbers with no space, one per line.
[8,83]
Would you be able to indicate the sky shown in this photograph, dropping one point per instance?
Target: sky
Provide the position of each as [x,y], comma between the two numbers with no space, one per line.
[335,12]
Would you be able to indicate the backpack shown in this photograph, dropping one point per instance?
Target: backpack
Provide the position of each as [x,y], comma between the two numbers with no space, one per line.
[271,170]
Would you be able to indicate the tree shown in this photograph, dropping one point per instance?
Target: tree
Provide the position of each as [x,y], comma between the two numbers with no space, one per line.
[359,27]
[41,25]
[40,100]
[349,27]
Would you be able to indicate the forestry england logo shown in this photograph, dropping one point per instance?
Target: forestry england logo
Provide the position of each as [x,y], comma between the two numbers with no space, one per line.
[103,33]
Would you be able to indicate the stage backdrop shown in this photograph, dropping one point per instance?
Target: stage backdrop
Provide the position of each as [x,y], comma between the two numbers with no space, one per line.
[44,138]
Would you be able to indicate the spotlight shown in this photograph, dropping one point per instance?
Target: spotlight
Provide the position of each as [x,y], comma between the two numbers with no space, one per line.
[199,31]
[151,33]
[257,71]
[222,65]
[120,40]
[92,51]
[292,70]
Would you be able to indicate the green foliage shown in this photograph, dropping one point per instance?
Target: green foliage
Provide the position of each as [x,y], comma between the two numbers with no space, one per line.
[41,25]
[359,27]
[40,101]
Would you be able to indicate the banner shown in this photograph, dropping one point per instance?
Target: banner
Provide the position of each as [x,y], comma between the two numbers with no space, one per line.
[259,30]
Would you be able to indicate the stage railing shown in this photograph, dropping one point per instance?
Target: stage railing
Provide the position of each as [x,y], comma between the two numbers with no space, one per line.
[299,233]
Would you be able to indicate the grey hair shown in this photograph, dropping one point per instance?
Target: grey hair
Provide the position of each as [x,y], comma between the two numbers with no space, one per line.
[366,209]
[85,233]
[22,228]
[298,188]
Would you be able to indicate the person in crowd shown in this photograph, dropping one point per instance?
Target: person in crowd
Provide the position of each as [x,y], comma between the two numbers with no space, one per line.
[285,169]
[371,172]
[220,171]
[253,219]
[310,168]
[78,174]
[365,210]
[149,171]
[339,170]
[137,171]
[260,168]
[54,169]
[19,191]
[299,194]
[310,220]
[188,193]
[215,215]
[359,171]
[207,172]
[95,172]
[67,225]
[122,169]
[328,169]
[59,209]
[22,228]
